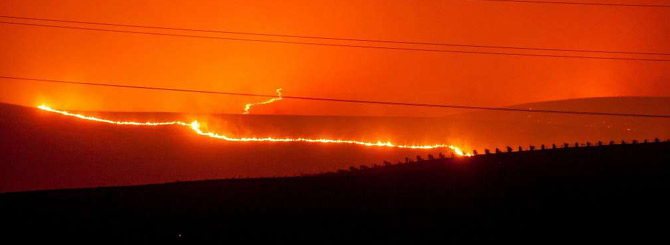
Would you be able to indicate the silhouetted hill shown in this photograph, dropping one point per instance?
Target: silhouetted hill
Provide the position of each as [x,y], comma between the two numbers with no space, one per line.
[43,150]
[587,194]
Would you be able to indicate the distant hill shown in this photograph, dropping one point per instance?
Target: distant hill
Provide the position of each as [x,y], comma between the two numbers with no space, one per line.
[488,129]
[46,151]
[638,105]
[591,194]
[43,150]
[629,105]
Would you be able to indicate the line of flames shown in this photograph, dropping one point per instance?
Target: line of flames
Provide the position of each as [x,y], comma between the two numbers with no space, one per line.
[247,107]
[195,126]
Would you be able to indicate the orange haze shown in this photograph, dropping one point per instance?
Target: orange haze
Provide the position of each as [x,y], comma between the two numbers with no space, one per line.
[328,71]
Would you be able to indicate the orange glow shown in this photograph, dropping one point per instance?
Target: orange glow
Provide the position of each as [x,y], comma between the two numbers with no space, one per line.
[248,106]
[332,72]
[195,126]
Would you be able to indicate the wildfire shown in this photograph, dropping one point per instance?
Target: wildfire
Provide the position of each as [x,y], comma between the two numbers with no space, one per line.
[248,106]
[195,126]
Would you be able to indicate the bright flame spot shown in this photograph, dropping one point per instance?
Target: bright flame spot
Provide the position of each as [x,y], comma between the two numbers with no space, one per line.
[195,126]
[248,106]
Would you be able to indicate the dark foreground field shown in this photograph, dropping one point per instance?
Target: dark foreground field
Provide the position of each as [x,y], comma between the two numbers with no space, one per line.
[603,193]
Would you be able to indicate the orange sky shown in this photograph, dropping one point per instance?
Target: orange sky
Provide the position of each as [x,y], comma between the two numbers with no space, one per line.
[328,71]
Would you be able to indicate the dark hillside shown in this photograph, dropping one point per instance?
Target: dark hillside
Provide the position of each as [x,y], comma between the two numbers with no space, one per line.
[597,193]
[42,150]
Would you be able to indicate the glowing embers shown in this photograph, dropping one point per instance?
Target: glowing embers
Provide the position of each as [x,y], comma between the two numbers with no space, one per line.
[196,127]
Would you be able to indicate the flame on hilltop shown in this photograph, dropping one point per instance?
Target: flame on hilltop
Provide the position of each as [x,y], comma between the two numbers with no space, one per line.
[195,126]
[248,106]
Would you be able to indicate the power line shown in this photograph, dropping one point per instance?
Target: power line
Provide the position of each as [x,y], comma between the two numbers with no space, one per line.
[465,107]
[343,45]
[579,3]
[334,38]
